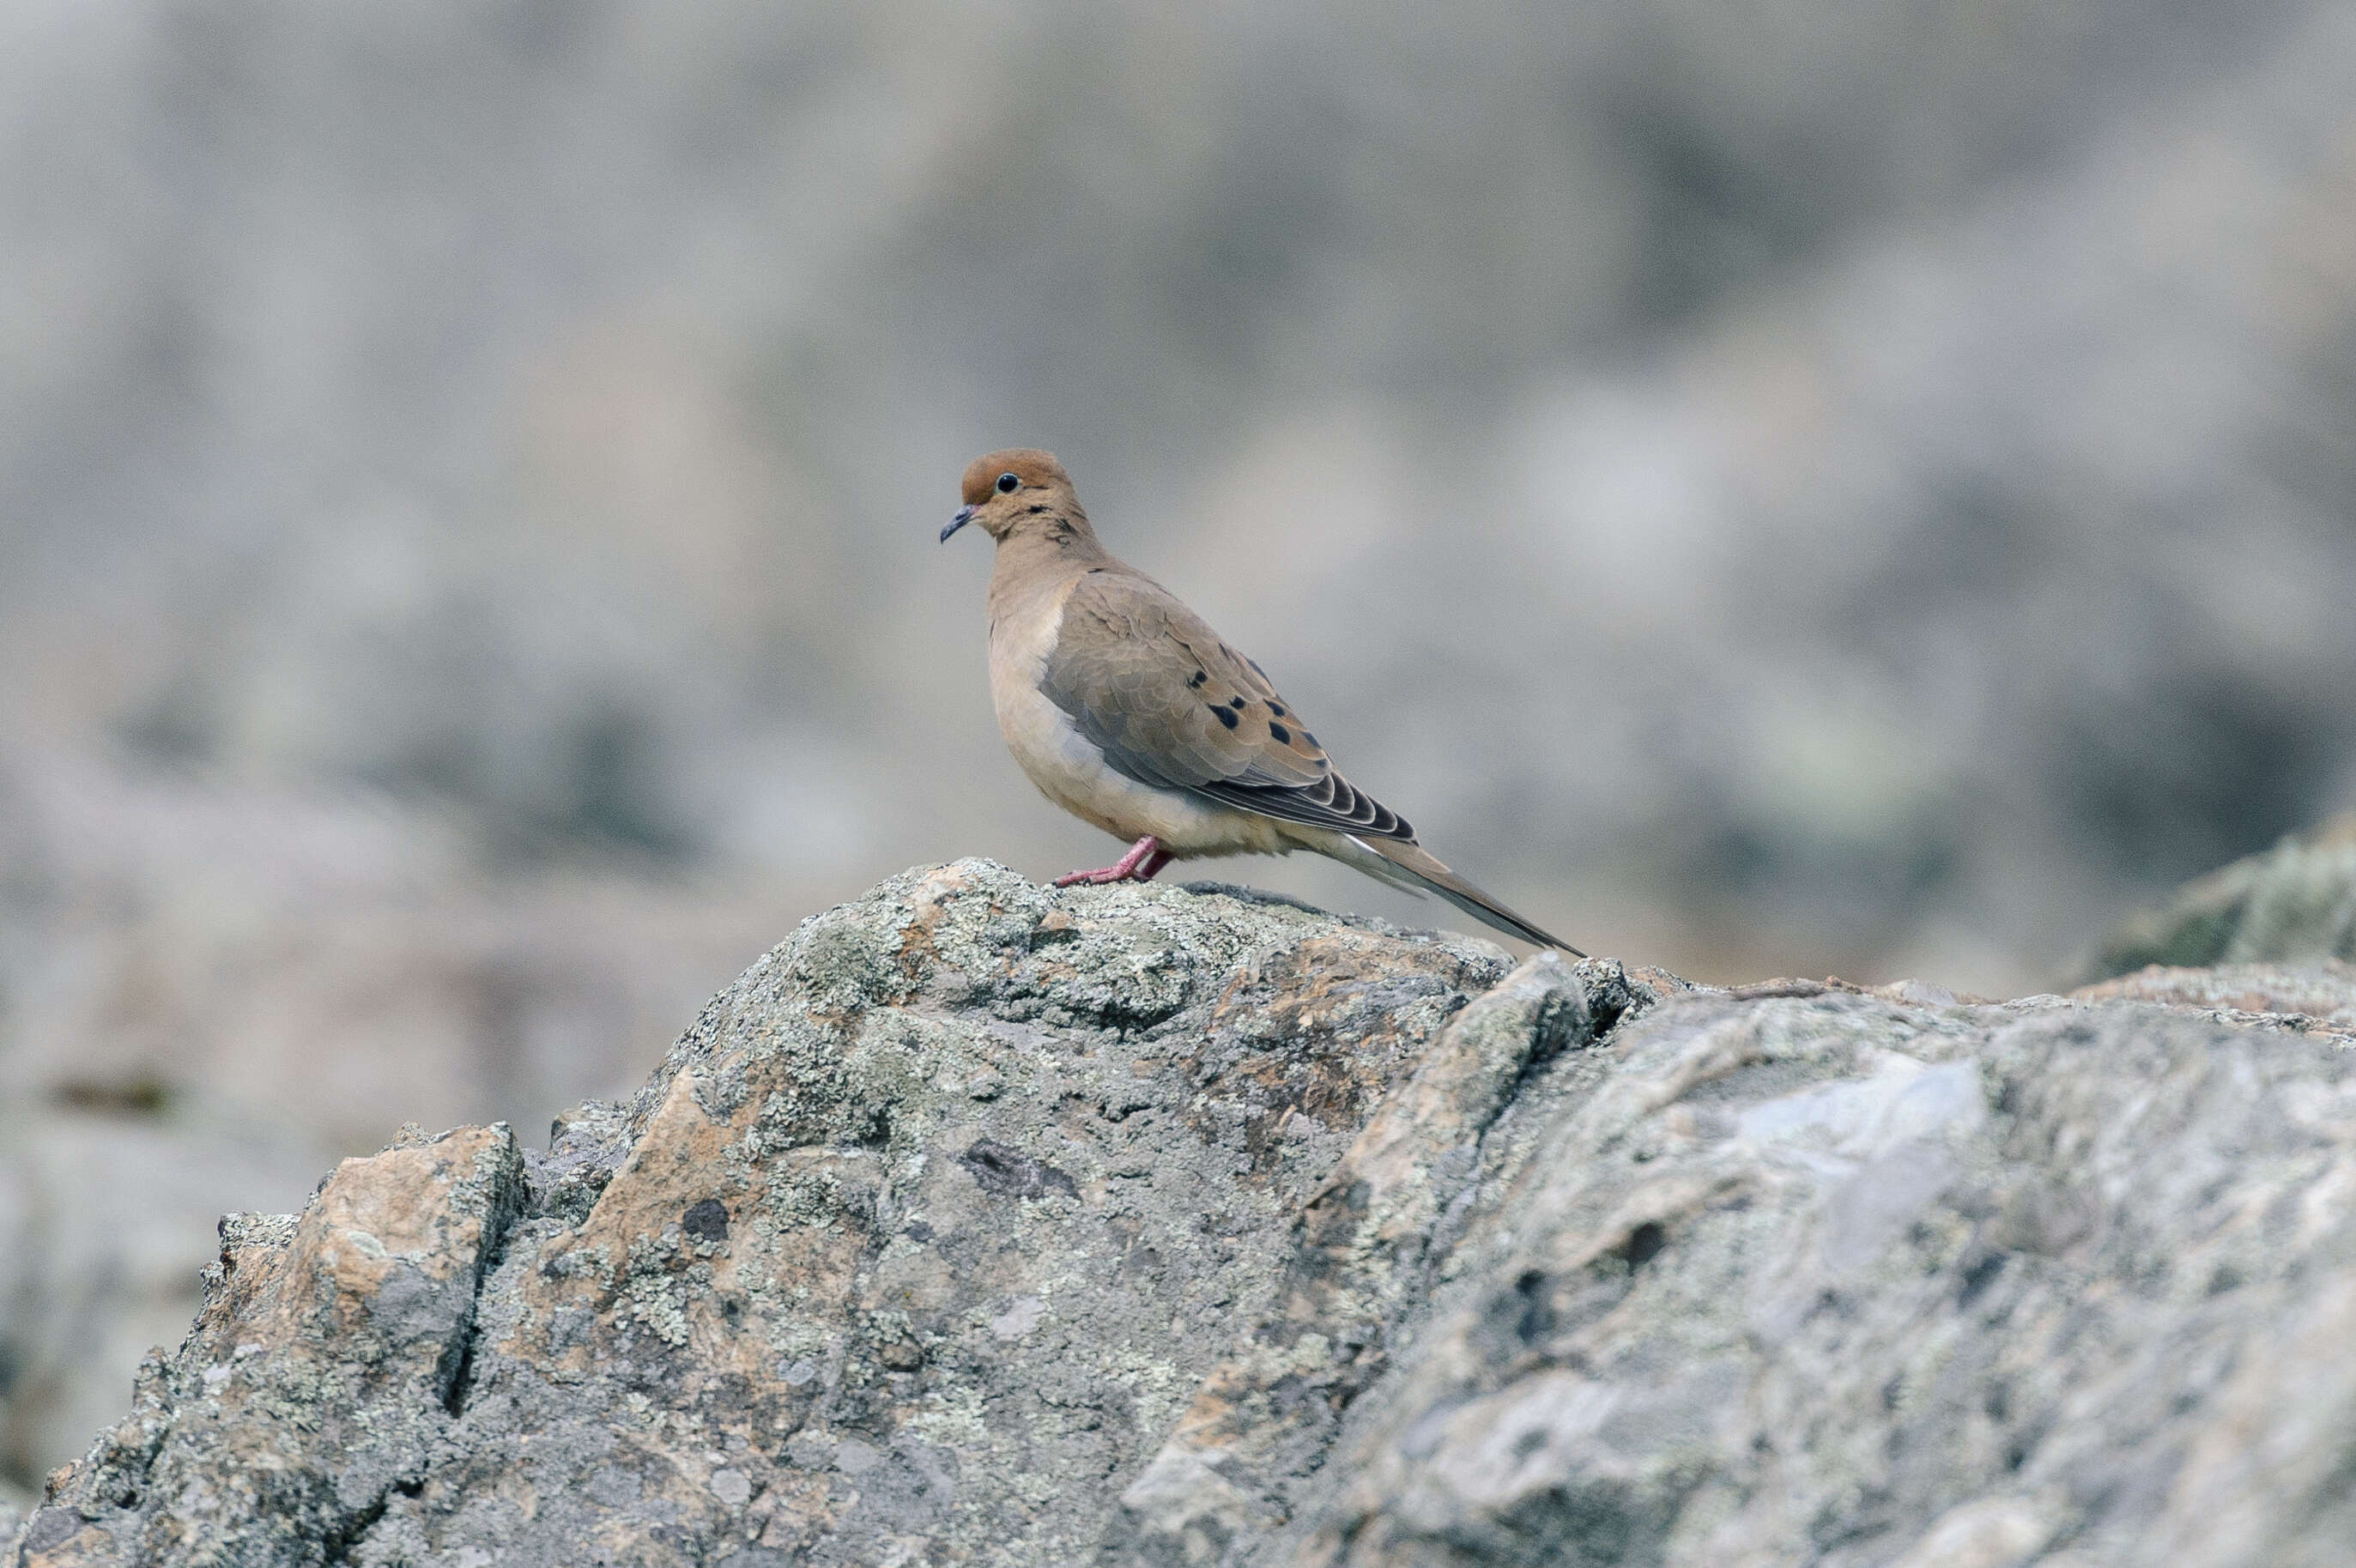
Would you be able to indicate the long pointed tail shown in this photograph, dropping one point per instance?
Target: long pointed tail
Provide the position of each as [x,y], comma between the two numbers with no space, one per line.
[1409,865]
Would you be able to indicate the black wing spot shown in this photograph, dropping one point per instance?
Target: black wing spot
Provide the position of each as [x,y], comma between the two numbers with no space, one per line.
[1198,677]
[1277,709]
[1226,715]
[1307,739]
[1284,736]
[1237,703]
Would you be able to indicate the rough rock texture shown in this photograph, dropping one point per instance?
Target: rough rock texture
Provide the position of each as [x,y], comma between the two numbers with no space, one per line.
[1820,1278]
[2319,1000]
[984,1224]
[2295,904]
[209,993]
[311,1386]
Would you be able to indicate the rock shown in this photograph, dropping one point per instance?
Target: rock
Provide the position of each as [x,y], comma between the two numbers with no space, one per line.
[1835,1280]
[209,992]
[807,1292]
[311,1387]
[106,1220]
[2319,1000]
[2295,904]
[982,1222]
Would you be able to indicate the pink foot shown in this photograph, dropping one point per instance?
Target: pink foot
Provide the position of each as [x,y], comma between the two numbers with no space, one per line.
[1144,858]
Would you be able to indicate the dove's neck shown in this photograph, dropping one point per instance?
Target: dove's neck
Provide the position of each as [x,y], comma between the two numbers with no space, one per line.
[1028,585]
[1038,566]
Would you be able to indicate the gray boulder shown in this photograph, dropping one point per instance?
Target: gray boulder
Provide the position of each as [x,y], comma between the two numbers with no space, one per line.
[984,1224]
[2295,903]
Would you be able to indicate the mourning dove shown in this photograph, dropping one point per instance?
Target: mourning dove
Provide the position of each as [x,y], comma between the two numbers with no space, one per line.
[1130,713]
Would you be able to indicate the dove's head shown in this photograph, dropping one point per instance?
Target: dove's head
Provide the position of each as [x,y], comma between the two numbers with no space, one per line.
[1018,492]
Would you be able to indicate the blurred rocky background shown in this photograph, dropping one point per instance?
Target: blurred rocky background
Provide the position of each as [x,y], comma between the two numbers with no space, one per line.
[1866,487]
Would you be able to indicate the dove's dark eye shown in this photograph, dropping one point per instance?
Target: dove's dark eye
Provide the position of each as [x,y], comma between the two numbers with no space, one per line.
[1008,483]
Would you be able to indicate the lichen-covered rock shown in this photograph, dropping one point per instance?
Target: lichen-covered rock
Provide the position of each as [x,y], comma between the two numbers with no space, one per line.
[1834,1280]
[308,1390]
[983,1223]
[1265,1416]
[2295,903]
[917,1244]
[2318,999]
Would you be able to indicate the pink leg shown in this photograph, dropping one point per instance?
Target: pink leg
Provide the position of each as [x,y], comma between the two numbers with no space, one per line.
[1144,857]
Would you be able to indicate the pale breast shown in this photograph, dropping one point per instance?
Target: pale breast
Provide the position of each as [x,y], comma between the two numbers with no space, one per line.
[1070,771]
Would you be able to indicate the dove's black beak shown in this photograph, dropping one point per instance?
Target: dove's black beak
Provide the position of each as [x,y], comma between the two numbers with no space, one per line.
[964,516]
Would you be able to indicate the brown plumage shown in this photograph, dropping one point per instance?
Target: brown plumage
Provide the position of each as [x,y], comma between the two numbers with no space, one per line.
[1129,712]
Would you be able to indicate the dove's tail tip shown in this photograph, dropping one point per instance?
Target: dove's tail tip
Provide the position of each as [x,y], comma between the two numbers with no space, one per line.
[1409,865]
